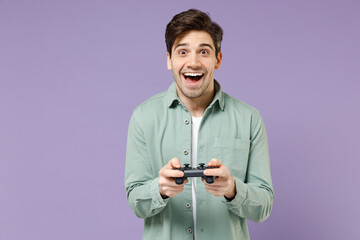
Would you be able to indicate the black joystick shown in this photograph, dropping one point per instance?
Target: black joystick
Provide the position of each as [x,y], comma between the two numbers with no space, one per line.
[194,172]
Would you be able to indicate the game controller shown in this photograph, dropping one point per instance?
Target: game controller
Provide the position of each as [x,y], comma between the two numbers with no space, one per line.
[194,172]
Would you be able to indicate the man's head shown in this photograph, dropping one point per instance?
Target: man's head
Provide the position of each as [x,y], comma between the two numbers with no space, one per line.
[192,20]
[193,54]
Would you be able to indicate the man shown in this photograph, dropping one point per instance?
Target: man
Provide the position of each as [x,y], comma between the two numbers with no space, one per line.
[195,122]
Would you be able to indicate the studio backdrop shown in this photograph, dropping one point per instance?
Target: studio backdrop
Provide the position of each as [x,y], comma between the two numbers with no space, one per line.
[72,72]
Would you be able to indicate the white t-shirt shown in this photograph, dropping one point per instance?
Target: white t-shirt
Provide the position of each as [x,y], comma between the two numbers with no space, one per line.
[195,124]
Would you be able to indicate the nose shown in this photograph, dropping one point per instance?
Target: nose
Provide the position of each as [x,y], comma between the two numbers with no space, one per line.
[194,61]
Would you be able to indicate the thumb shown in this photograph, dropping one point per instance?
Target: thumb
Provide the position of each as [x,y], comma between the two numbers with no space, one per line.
[174,163]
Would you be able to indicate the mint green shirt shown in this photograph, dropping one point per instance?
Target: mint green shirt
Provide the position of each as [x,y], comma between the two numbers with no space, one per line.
[231,131]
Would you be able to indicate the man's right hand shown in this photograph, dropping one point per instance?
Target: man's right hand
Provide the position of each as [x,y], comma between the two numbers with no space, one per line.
[167,185]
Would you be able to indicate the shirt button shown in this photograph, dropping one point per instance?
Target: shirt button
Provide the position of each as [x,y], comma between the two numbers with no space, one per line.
[186,121]
[187,205]
[189,230]
[186,152]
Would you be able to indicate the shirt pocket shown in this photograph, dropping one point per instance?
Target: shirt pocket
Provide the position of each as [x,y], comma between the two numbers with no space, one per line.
[234,154]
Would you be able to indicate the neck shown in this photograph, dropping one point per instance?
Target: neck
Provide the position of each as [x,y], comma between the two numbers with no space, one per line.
[197,106]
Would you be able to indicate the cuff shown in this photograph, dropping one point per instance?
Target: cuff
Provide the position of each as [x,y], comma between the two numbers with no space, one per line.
[157,200]
[241,195]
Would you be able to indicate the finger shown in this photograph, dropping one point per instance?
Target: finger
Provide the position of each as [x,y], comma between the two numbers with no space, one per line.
[214,163]
[215,184]
[169,173]
[171,193]
[214,192]
[217,188]
[177,188]
[175,184]
[169,182]
[170,185]
[214,172]
[218,172]
[214,188]
[171,190]
[174,163]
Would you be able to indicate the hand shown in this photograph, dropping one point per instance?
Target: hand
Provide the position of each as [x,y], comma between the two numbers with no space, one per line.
[224,184]
[167,185]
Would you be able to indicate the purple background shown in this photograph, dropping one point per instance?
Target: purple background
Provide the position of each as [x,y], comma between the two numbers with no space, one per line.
[71,73]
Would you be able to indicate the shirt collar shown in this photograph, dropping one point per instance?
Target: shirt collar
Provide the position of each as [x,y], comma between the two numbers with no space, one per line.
[173,99]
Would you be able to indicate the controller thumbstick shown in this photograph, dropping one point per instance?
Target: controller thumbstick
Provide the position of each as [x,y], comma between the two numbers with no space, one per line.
[202,165]
[186,165]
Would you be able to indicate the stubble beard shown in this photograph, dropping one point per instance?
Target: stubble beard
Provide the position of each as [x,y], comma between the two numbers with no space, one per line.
[191,93]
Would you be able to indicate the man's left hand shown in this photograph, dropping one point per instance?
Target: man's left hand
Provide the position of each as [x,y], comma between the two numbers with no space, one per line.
[224,184]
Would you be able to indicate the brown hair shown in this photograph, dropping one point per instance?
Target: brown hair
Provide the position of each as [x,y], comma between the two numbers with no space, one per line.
[192,19]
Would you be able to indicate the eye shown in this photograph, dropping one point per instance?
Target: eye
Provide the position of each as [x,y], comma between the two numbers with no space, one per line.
[182,52]
[204,51]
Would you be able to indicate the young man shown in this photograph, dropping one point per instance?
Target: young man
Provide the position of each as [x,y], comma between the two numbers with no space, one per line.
[195,122]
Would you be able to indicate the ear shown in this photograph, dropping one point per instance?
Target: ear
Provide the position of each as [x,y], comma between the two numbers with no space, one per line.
[169,67]
[218,60]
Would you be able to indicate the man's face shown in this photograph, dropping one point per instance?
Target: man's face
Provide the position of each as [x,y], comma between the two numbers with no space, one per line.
[193,61]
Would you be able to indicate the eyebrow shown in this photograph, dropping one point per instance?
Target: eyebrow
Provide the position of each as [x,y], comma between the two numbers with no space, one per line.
[201,45]
[206,45]
[181,45]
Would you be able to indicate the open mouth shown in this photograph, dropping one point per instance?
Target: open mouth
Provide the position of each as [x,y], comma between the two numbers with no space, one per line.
[193,77]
